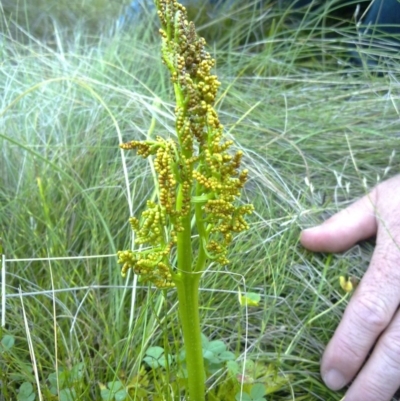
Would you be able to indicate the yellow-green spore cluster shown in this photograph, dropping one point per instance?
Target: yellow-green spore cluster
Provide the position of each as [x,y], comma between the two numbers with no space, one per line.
[183,51]
[198,178]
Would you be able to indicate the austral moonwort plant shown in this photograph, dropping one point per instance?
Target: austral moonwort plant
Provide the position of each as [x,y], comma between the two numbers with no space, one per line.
[195,216]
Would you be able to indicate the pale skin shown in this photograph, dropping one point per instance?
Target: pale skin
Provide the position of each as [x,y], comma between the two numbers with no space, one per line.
[371,320]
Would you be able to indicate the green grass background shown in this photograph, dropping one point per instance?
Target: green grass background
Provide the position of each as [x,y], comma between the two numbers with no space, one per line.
[317,132]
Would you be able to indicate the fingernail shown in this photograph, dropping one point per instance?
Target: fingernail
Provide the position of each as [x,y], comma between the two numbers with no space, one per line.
[311,229]
[334,379]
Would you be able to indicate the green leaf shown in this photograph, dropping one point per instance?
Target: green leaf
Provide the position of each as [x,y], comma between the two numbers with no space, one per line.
[53,390]
[106,394]
[216,346]
[30,397]
[25,392]
[25,389]
[249,299]
[153,363]
[163,360]
[156,357]
[207,354]
[214,367]
[61,378]
[155,352]
[77,372]
[258,391]
[215,352]
[226,356]
[7,342]
[68,394]
[115,386]
[53,379]
[233,367]
[121,395]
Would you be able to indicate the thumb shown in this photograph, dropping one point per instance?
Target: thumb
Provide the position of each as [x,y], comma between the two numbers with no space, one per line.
[344,229]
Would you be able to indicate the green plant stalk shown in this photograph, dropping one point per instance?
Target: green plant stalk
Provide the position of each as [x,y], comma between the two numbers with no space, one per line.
[198,180]
[187,284]
[188,296]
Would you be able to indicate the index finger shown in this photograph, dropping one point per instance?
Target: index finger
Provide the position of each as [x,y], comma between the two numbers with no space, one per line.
[369,312]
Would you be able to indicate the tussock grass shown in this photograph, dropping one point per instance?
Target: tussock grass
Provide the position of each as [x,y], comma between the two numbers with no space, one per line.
[317,132]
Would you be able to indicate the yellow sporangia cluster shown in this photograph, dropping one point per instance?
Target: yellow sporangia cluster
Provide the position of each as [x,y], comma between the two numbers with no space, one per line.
[190,65]
[197,168]
[151,266]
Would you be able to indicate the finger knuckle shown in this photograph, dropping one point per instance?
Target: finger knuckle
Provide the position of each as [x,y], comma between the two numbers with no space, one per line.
[372,312]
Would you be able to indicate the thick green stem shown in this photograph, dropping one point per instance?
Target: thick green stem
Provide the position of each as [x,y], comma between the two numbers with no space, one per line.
[188,297]
[187,284]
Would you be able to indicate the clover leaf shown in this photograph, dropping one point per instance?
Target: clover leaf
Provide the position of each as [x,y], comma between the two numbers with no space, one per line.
[7,342]
[25,392]
[155,357]
[115,391]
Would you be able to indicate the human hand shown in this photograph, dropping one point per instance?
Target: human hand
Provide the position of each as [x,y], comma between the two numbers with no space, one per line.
[372,318]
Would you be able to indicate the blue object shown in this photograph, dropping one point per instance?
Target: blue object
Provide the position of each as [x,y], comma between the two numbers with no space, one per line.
[384,15]
[380,30]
